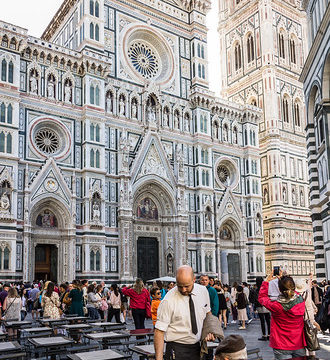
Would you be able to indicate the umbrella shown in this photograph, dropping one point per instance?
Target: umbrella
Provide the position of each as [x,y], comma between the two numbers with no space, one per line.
[164,279]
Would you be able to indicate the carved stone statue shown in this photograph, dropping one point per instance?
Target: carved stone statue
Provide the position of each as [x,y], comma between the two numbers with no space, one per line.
[166,119]
[151,114]
[109,103]
[169,264]
[258,225]
[235,137]
[96,212]
[208,224]
[50,89]
[180,161]
[67,93]
[176,120]
[34,84]
[134,110]
[225,134]
[186,124]
[4,202]
[122,107]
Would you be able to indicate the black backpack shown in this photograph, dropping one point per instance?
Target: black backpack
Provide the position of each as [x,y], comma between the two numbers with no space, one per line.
[253,296]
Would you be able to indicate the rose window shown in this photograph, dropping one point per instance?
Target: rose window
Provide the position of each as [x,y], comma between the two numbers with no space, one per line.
[144,59]
[223,174]
[47,141]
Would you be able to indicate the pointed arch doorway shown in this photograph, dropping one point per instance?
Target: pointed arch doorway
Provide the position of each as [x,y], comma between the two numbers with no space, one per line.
[147,258]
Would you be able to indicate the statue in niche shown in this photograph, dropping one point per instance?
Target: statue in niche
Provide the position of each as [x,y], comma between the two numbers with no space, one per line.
[266,198]
[186,123]
[285,199]
[151,114]
[50,89]
[4,202]
[109,103]
[134,110]
[294,197]
[166,118]
[258,225]
[208,220]
[176,120]
[33,83]
[169,264]
[235,136]
[302,200]
[225,133]
[67,93]
[180,160]
[122,106]
[96,212]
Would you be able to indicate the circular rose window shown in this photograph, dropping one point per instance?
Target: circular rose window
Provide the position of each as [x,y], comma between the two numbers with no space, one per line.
[144,59]
[226,172]
[50,137]
[47,141]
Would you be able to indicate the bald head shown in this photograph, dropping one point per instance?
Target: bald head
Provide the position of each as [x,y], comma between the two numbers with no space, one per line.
[185,279]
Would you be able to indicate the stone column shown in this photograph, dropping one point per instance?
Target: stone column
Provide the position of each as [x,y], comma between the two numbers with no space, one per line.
[224,267]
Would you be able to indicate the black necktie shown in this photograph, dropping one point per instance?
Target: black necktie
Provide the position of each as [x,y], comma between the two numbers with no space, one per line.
[192,316]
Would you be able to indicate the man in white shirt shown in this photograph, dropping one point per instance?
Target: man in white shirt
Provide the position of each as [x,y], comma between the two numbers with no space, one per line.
[180,318]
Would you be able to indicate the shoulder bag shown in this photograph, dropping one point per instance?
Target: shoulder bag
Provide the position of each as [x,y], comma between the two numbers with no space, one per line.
[310,331]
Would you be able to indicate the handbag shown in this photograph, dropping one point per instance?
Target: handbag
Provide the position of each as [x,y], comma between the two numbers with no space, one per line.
[310,331]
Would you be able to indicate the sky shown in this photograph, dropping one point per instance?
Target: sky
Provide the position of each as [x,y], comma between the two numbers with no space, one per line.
[35,15]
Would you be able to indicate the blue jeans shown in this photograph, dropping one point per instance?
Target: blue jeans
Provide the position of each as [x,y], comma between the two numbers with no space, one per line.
[93,313]
[248,312]
[287,354]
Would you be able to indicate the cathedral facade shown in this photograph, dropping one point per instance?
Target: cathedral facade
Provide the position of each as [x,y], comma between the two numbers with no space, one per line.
[263,43]
[116,161]
[316,79]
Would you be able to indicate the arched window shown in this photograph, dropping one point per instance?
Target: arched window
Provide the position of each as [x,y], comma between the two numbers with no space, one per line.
[97,33]
[293,51]
[9,142]
[235,135]
[91,131]
[4,70]
[91,94]
[97,95]
[285,109]
[97,9]
[92,162]
[97,133]
[2,142]
[11,72]
[199,70]
[203,177]
[97,261]
[92,261]
[207,179]
[297,114]
[97,160]
[203,71]
[281,46]
[194,70]
[198,50]
[202,51]
[91,30]
[238,57]
[250,48]
[3,113]
[91,7]
[4,258]
[9,114]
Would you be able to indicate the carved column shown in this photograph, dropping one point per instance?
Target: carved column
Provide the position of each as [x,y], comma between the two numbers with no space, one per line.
[125,213]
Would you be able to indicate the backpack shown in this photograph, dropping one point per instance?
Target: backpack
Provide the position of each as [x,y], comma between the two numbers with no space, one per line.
[252,296]
[103,305]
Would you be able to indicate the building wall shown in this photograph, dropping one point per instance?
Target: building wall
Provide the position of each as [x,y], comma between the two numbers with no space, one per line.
[263,54]
[108,150]
[315,76]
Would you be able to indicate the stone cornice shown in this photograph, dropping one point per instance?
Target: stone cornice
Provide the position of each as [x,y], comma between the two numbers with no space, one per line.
[58,19]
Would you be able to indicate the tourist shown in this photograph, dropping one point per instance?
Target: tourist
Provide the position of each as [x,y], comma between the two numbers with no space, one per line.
[170,286]
[233,302]
[124,306]
[231,347]
[33,297]
[67,301]
[214,300]
[222,304]
[93,302]
[139,296]
[180,318]
[287,326]
[114,303]
[4,293]
[241,302]
[317,295]
[50,302]
[24,299]
[76,295]
[263,313]
[11,307]
[103,306]
[156,295]
[159,284]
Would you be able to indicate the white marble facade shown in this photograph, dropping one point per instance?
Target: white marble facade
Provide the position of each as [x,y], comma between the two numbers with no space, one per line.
[115,158]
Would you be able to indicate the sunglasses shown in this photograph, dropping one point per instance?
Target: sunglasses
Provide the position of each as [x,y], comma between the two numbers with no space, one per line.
[158,292]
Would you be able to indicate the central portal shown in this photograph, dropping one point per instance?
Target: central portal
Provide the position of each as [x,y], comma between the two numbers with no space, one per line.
[46,262]
[147,258]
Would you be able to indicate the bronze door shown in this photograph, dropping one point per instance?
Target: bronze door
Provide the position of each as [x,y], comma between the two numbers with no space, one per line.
[147,258]
[46,262]
[233,268]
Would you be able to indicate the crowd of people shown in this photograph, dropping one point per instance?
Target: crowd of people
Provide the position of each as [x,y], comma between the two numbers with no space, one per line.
[179,310]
